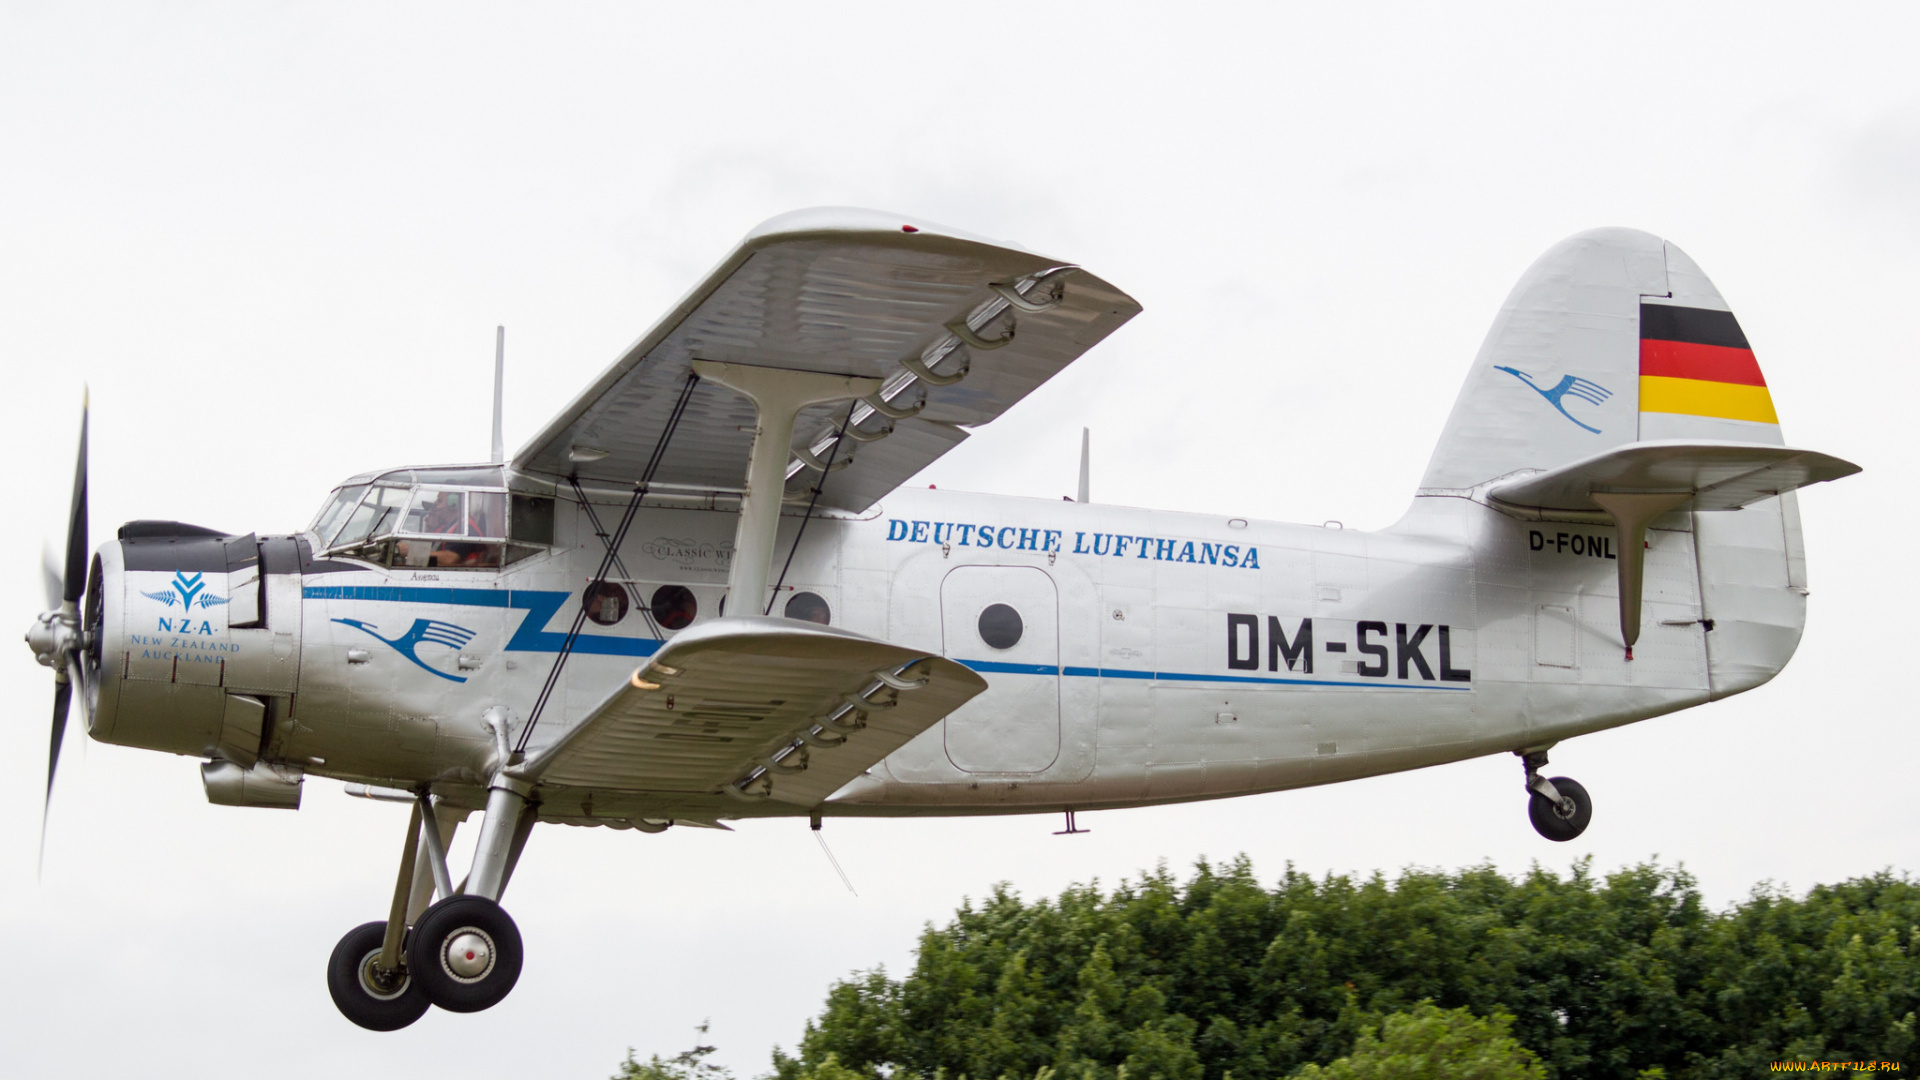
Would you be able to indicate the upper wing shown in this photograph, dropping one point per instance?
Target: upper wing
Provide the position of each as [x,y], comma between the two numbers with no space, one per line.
[850,292]
[769,708]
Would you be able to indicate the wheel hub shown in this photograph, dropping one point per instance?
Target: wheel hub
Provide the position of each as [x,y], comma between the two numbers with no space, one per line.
[380,982]
[467,954]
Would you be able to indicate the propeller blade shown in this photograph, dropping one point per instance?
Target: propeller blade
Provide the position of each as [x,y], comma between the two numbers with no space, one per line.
[50,576]
[62,698]
[75,579]
[62,701]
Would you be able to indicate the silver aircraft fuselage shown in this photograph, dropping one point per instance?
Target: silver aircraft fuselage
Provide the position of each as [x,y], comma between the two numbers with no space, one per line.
[1159,656]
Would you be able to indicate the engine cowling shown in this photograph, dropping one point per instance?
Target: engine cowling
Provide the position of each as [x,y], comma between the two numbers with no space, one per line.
[196,637]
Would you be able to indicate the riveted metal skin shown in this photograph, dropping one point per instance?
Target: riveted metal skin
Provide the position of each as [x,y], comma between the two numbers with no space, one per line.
[1608,531]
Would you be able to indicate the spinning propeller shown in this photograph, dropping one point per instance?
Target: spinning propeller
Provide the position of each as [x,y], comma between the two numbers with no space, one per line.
[56,638]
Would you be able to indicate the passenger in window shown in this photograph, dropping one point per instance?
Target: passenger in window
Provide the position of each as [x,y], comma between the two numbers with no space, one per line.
[809,607]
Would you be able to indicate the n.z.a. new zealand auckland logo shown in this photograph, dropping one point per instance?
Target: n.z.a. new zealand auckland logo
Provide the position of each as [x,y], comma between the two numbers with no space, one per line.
[1584,389]
[422,631]
[188,592]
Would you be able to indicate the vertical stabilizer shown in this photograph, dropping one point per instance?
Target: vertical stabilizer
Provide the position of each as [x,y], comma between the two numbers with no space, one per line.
[1557,377]
[1613,336]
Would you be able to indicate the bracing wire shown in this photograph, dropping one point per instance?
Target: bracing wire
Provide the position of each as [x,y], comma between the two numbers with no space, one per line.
[844,880]
[606,561]
[802,530]
[599,530]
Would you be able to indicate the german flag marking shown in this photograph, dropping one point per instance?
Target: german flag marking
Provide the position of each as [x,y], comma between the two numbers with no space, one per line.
[1683,360]
[1697,397]
[1696,362]
[1700,326]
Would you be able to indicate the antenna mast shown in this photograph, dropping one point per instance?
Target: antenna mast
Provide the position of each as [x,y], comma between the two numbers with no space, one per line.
[1086,437]
[499,391]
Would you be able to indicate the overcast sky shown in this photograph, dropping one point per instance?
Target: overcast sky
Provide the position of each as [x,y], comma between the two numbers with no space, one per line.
[275,241]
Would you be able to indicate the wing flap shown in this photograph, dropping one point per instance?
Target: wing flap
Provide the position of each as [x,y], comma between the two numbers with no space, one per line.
[739,703]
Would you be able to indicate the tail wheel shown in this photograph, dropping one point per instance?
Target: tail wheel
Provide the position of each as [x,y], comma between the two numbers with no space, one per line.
[376,1000]
[465,953]
[1558,823]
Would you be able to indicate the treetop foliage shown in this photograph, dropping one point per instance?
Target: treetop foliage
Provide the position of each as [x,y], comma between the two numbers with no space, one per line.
[1221,978]
[1431,1043]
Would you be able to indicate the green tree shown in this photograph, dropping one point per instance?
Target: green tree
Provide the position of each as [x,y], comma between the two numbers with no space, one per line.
[686,1065]
[1431,1043]
[1611,978]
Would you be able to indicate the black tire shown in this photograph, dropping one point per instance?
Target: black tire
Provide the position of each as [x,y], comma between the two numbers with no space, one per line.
[1547,819]
[470,929]
[350,979]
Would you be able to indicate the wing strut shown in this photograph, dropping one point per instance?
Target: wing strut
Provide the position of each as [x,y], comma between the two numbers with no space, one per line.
[606,563]
[778,396]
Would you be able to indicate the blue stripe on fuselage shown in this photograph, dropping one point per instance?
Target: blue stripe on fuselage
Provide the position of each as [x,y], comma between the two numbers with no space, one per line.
[541,605]
[532,636]
[990,666]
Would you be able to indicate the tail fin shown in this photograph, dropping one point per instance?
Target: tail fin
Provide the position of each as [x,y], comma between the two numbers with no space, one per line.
[1616,381]
[1612,337]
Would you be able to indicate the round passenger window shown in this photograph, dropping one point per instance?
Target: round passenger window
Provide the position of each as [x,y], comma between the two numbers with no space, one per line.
[674,606]
[606,603]
[809,607]
[1000,626]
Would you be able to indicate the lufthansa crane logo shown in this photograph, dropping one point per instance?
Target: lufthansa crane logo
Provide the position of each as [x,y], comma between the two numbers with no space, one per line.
[423,631]
[1556,395]
[187,592]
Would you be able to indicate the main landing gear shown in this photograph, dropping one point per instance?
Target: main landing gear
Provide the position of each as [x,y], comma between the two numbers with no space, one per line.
[1559,807]
[463,952]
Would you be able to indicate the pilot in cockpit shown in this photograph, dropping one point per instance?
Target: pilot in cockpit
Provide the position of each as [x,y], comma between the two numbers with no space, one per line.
[442,514]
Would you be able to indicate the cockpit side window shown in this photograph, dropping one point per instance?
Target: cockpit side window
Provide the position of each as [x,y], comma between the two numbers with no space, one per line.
[436,526]
[487,514]
[532,519]
[436,513]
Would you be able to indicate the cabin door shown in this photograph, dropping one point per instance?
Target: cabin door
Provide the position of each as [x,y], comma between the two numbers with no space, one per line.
[1004,622]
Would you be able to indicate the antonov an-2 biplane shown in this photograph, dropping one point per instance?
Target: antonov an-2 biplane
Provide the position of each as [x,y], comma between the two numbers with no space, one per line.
[701,594]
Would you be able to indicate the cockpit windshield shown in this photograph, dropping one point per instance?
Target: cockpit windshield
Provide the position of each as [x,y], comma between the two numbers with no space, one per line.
[430,518]
[377,513]
[333,515]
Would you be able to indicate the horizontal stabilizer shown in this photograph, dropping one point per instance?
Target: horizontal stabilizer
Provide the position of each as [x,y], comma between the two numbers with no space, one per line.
[1712,476]
[1636,483]
[769,708]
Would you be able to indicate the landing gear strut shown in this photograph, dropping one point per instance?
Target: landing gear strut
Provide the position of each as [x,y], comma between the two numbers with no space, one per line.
[463,953]
[1558,807]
